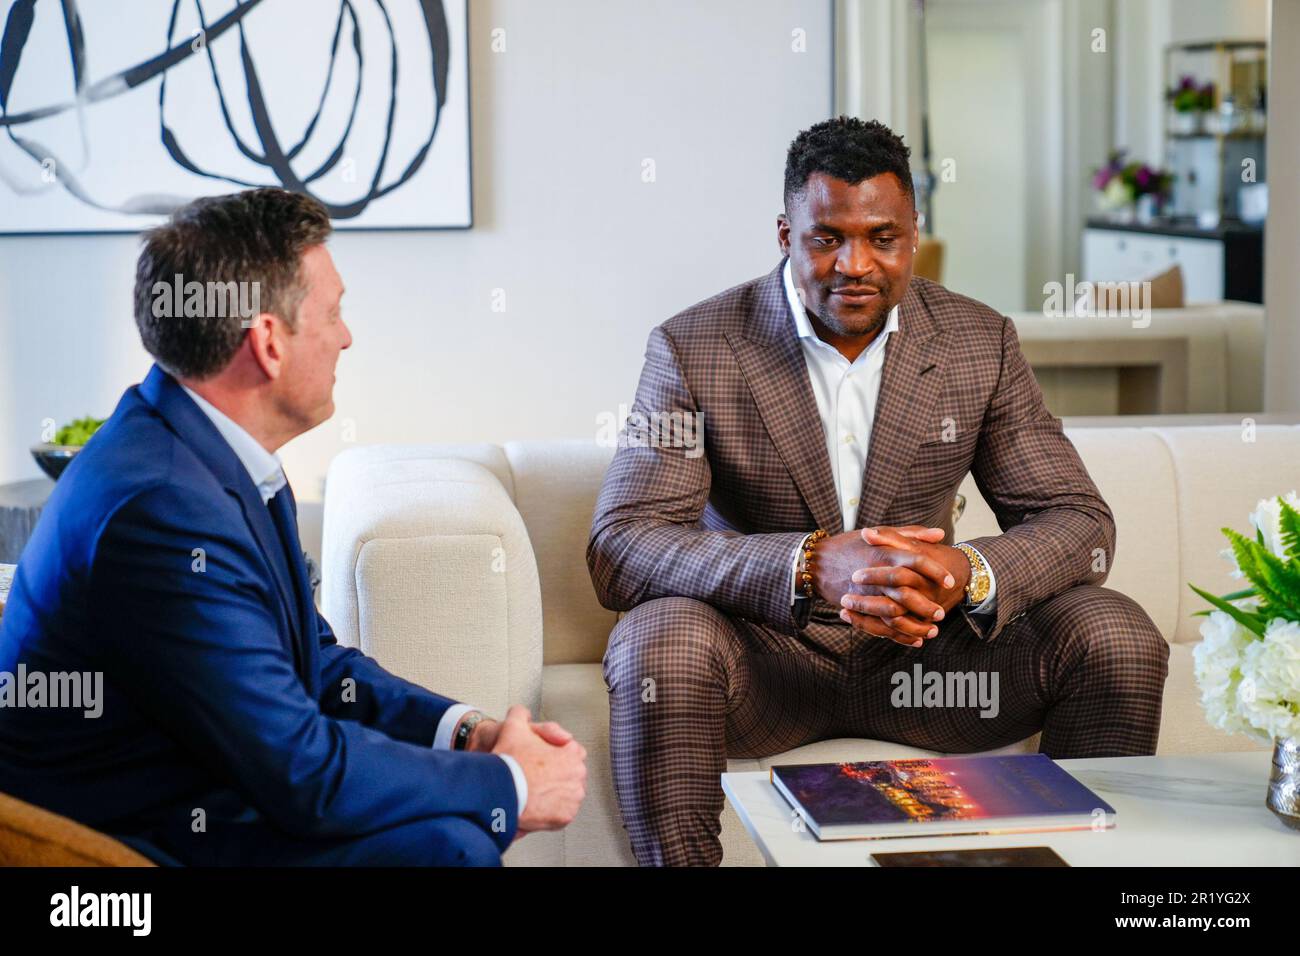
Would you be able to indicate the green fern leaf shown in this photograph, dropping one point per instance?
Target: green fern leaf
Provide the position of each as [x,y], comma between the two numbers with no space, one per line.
[1245,550]
[1247,620]
[1283,580]
[1290,530]
[1277,584]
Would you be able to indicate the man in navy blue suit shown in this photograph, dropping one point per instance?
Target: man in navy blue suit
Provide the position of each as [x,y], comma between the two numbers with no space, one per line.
[232,727]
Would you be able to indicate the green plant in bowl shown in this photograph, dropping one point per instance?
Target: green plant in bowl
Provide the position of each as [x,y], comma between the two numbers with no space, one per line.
[53,457]
[77,431]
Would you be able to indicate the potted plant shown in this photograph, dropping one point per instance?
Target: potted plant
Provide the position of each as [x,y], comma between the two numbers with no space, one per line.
[1128,190]
[1247,664]
[55,456]
[1190,103]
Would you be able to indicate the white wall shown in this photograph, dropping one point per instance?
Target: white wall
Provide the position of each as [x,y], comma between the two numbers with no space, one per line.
[1093,102]
[983,227]
[1055,90]
[1143,29]
[1193,20]
[588,255]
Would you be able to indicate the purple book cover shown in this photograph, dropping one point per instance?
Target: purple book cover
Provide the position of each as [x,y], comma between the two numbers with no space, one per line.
[936,789]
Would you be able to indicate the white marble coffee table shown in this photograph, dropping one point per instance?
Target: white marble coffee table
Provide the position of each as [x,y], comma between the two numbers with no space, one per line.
[1196,810]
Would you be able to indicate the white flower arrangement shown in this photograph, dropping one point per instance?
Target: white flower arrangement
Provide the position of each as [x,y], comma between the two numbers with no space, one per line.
[1248,662]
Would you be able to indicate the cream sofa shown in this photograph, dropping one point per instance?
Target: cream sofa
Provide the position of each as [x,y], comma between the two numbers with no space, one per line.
[462,567]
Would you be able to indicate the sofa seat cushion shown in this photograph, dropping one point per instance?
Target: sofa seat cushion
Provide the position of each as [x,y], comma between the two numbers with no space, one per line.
[575,696]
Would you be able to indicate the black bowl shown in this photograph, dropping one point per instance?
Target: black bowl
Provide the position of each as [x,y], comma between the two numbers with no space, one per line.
[54,458]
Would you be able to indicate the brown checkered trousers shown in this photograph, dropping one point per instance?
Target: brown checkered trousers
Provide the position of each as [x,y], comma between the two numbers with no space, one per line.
[697,544]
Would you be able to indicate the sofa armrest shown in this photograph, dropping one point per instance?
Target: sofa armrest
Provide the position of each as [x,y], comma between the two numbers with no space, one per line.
[427,567]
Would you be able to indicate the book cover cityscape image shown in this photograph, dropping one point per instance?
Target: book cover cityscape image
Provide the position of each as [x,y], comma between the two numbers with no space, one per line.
[939,788]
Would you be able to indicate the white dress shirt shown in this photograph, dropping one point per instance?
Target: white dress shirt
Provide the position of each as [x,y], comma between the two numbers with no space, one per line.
[847,394]
[262,466]
[267,473]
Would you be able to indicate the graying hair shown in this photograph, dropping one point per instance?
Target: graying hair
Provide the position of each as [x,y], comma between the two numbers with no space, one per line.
[253,239]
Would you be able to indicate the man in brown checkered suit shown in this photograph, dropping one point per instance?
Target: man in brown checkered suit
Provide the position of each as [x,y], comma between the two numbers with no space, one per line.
[778,576]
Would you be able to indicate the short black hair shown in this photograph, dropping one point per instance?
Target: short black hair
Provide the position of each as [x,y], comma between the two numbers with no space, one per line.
[225,244]
[849,149]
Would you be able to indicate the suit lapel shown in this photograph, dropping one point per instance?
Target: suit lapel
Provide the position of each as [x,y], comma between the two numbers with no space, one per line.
[772,362]
[198,433]
[909,391]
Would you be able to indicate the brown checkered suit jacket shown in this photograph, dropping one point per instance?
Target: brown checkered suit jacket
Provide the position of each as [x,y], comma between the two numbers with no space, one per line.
[956,396]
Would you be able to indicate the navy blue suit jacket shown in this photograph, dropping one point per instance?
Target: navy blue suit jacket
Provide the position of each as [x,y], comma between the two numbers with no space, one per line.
[223,687]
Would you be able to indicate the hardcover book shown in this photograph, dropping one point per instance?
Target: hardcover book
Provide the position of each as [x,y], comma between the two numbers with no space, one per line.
[940,796]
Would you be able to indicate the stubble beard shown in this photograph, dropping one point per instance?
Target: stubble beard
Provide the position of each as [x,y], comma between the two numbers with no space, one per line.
[875,323]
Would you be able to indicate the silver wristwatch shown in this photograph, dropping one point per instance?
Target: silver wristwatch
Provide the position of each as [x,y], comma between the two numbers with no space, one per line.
[466,728]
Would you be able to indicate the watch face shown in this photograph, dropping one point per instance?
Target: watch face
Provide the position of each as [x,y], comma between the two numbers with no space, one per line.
[465,729]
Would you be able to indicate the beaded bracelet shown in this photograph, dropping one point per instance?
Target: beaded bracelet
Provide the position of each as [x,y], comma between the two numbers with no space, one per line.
[805,573]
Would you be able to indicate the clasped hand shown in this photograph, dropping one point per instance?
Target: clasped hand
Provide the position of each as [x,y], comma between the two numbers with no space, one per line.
[892,582]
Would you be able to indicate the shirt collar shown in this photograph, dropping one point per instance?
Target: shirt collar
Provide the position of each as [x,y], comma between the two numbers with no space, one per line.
[804,327]
[262,466]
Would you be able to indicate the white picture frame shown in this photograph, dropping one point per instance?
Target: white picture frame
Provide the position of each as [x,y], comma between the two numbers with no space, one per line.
[115,112]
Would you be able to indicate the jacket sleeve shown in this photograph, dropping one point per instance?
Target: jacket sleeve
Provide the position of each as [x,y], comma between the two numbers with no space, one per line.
[1057,532]
[376,698]
[197,647]
[645,541]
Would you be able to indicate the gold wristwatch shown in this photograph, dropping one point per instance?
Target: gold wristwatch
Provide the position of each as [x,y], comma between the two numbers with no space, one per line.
[977,588]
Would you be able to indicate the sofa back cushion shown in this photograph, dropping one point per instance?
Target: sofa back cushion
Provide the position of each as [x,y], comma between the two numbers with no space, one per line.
[1222,472]
[1170,489]
[1134,473]
[556,484]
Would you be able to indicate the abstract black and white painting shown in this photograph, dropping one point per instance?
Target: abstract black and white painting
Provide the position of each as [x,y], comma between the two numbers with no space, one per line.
[115,112]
